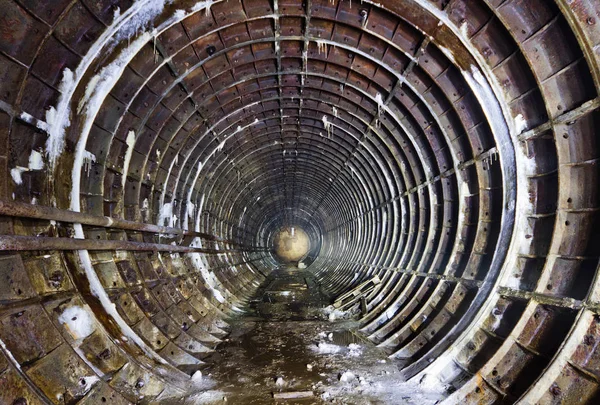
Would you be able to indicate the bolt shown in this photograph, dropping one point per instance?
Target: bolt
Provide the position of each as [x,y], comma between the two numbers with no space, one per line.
[56,279]
[591,21]
[588,340]
[104,354]
[555,390]
[20,401]
[139,384]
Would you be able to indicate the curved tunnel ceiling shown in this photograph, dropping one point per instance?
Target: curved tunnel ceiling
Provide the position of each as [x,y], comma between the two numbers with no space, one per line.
[152,148]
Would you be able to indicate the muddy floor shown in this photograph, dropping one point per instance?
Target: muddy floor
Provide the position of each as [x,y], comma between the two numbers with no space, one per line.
[286,342]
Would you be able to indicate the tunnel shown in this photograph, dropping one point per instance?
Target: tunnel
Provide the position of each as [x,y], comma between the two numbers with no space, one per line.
[440,158]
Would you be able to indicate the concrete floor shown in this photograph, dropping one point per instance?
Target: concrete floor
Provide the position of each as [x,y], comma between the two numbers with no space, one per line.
[286,342]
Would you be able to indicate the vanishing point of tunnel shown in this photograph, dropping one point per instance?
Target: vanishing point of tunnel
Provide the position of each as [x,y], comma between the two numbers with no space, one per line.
[300,202]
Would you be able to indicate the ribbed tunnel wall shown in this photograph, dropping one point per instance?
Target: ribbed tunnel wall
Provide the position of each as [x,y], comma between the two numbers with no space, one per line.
[151,149]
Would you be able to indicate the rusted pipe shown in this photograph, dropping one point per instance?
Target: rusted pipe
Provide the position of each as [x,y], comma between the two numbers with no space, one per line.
[17,209]
[21,243]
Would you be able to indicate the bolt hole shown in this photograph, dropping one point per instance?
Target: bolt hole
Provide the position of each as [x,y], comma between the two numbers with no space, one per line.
[567,223]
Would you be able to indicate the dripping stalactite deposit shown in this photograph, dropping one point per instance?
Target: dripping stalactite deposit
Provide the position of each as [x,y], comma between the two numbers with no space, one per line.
[441,158]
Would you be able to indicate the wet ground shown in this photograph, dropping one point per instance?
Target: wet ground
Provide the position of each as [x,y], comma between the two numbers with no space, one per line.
[286,343]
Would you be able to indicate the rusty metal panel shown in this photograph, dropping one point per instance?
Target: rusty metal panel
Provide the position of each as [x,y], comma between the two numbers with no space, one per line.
[108,274]
[574,223]
[493,42]
[587,353]
[471,16]
[409,350]
[503,317]
[588,14]
[545,330]
[526,17]
[62,376]
[544,190]
[14,389]
[531,107]
[128,308]
[194,346]
[550,49]
[178,357]
[100,351]
[38,97]
[12,75]
[47,274]
[102,393]
[571,387]
[79,29]
[146,302]
[133,382]
[57,58]
[478,351]
[151,334]
[22,33]
[483,394]
[515,371]
[15,284]
[569,88]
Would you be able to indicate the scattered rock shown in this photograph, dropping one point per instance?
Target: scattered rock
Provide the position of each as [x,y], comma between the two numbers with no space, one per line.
[197,376]
[347,376]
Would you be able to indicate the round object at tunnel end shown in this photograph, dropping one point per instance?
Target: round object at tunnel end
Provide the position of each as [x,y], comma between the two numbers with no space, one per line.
[291,244]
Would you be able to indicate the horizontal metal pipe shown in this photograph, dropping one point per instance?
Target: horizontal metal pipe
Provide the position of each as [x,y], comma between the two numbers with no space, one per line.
[21,243]
[18,209]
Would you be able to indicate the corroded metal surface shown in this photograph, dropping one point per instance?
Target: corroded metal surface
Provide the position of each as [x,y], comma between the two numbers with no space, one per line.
[150,150]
